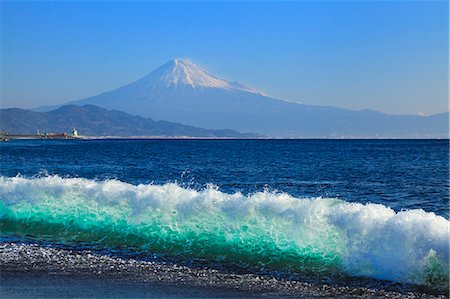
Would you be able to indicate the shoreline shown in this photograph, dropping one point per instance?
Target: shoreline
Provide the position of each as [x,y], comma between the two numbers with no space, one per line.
[21,262]
[92,138]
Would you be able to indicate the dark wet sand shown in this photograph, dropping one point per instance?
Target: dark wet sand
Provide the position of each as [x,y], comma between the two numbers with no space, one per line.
[32,271]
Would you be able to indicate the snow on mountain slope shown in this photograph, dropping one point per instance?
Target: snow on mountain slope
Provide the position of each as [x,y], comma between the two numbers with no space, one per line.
[181,73]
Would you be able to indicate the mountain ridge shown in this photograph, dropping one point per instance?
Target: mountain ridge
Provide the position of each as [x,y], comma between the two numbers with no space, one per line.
[180,91]
[96,121]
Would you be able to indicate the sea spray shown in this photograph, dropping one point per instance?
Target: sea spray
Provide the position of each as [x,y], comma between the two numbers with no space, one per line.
[265,229]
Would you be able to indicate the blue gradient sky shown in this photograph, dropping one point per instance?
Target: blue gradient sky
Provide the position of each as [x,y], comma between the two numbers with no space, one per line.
[388,56]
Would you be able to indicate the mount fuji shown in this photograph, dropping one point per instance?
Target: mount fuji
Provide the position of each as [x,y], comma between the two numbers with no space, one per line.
[181,91]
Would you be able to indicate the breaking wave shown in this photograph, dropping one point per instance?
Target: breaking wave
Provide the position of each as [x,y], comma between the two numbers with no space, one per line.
[264,229]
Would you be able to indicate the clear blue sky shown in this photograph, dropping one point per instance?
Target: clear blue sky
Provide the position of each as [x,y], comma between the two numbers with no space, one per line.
[388,56]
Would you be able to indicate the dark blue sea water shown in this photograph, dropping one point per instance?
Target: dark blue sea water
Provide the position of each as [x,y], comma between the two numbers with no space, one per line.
[360,208]
[402,174]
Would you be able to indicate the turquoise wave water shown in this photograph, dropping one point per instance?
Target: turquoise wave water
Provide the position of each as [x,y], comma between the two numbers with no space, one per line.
[264,229]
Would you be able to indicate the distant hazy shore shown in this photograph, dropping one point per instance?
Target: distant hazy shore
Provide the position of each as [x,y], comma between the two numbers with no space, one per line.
[28,268]
[84,138]
[37,137]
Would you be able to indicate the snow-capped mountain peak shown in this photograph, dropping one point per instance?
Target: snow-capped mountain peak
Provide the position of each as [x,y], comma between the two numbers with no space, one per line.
[182,72]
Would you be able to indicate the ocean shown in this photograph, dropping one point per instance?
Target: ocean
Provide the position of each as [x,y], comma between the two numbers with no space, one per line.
[328,210]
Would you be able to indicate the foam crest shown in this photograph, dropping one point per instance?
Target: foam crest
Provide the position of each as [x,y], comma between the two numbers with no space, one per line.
[264,229]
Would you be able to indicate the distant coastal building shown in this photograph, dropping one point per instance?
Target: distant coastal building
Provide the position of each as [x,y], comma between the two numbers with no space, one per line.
[5,136]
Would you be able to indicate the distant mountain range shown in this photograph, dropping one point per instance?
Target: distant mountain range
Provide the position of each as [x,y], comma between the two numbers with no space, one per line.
[96,121]
[183,92]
